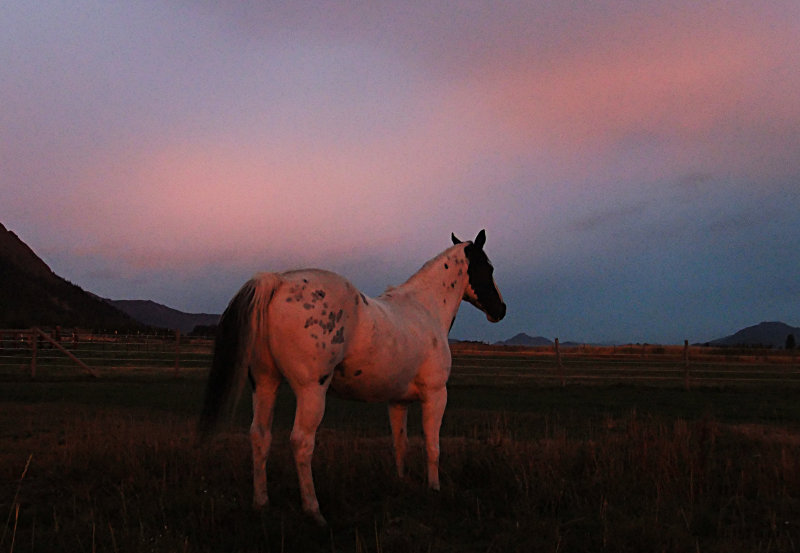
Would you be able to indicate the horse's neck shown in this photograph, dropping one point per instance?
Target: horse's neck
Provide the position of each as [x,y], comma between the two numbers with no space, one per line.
[439,285]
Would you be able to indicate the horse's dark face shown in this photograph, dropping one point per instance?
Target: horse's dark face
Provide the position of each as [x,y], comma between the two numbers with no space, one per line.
[482,291]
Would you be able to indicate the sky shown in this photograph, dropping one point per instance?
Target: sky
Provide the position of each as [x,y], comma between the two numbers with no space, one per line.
[635,163]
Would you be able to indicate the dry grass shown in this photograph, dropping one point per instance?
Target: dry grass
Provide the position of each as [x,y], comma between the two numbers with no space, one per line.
[113,466]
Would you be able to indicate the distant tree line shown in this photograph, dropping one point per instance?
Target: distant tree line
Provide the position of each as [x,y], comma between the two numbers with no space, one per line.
[204,331]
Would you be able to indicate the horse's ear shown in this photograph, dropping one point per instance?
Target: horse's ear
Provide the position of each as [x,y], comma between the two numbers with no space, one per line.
[455,240]
[480,240]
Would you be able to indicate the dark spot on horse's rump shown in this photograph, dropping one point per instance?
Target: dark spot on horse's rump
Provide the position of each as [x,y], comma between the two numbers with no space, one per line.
[329,325]
[435,342]
[460,272]
[305,280]
[338,338]
[324,312]
[339,368]
[357,373]
[309,322]
[453,284]
[446,266]
[323,379]
[318,295]
[364,299]
[314,336]
[289,300]
[308,306]
[339,315]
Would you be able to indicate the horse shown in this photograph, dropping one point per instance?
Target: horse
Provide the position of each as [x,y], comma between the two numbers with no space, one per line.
[314,329]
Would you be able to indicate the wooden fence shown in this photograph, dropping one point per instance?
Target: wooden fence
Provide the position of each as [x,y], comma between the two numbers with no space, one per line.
[54,353]
[685,366]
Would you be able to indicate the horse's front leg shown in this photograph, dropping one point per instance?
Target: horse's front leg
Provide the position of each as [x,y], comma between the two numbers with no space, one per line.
[433,405]
[398,417]
[308,416]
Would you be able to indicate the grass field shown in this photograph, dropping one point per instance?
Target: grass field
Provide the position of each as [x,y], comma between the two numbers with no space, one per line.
[111,464]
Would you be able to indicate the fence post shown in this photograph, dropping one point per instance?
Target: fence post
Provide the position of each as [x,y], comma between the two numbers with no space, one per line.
[34,339]
[177,351]
[686,364]
[559,364]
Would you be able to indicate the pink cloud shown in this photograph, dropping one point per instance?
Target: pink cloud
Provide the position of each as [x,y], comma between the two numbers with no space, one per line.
[688,78]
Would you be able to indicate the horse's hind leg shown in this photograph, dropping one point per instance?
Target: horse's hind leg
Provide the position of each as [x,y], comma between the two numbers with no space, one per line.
[398,417]
[264,393]
[310,408]
[432,412]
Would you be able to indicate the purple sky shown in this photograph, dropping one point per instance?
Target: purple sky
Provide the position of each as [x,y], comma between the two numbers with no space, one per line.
[636,164]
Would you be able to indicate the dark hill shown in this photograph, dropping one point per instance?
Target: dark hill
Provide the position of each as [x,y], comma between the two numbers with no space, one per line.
[772,334]
[32,295]
[154,314]
[16,253]
[523,339]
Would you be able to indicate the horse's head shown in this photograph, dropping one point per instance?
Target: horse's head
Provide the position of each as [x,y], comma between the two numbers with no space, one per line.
[482,291]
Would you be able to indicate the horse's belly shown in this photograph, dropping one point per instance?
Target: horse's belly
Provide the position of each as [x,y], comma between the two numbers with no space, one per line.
[367,384]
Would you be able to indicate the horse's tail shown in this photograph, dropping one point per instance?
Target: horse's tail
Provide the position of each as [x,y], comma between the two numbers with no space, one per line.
[243,320]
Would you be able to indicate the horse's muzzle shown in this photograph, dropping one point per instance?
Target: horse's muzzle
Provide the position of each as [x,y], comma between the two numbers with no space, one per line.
[497,314]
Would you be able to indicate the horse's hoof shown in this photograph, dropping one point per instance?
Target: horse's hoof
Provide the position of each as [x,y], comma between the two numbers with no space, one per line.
[318,519]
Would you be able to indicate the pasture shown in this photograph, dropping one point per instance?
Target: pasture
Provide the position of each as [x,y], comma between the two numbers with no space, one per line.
[620,458]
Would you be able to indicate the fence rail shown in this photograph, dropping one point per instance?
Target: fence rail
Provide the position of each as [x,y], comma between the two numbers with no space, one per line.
[56,353]
[686,365]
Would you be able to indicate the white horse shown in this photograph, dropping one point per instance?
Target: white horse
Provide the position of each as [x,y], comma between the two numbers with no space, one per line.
[317,331]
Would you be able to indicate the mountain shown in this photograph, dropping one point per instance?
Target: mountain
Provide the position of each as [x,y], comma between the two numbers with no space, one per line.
[31,294]
[763,334]
[154,314]
[15,254]
[523,339]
